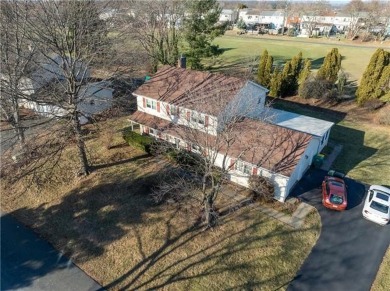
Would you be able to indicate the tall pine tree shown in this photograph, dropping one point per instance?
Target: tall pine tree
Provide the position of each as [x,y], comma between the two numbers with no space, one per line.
[276,83]
[331,66]
[200,29]
[374,77]
[261,69]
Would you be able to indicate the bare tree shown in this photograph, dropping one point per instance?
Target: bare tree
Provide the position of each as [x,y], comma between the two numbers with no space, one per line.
[240,136]
[311,11]
[156,26]
[16,60]
[378,18]
[354,9]
[71,40]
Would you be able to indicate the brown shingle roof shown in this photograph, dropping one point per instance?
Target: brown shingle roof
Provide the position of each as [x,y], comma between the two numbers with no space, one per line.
[266,145]
[150,120]
[191,89]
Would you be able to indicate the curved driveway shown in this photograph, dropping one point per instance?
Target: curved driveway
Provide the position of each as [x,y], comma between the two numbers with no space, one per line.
[30,263]
[349,250]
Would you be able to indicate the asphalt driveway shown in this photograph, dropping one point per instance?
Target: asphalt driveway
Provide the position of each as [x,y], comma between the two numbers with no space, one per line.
[349,250]
[30,263]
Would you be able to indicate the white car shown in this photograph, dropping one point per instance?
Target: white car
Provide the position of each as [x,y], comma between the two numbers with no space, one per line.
[377,205]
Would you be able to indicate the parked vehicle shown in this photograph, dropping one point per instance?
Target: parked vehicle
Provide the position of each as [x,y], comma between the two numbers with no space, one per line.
[377,205]
[334,192]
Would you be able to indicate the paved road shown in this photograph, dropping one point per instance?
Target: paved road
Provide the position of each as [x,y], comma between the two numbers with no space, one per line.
[349,250]
[29,263]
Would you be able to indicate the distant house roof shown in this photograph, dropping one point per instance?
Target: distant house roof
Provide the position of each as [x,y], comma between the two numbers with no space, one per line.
[271,13]
[194,89]
[227,11]
[302,123]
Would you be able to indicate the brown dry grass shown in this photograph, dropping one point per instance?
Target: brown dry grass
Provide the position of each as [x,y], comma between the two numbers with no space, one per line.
[110,227]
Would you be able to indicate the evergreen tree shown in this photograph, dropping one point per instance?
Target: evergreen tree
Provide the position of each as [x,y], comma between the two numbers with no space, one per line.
[268,71]
[241,24]
[383,88]
[331,66]
[276,82]
[296,65]
[200,29]
[374,77]
[261,69]
[305,73]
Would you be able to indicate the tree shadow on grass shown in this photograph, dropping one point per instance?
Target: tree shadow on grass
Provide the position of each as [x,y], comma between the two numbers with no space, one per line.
[86,222]
[146,275]
[80,226]
[116,163]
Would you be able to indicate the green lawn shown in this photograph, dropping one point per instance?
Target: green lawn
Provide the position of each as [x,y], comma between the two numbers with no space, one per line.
[366,147]
[241,52]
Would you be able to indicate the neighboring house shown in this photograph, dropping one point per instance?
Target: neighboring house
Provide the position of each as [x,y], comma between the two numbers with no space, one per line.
[228,15]
[94,98]
[282,145]
[250,16]
[276,17]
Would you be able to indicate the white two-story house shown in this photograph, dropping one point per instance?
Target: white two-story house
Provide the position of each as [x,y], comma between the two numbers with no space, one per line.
[263,141]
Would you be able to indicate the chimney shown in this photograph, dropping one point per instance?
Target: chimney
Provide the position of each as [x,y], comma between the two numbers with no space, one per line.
[182,62]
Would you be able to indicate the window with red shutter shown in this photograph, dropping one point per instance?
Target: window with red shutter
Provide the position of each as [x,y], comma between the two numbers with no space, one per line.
[158,106]
[144,101]
[167,109]
[254,171]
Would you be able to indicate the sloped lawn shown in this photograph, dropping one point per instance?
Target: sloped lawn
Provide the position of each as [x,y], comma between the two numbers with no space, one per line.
[109,225]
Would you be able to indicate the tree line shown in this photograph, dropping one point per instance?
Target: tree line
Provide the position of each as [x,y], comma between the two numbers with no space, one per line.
[296,77]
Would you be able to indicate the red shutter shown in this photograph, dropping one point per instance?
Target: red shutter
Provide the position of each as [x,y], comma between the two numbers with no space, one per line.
[167,109]
[146,129]
[232,162]
[158,106]
[144,101]
[254,171]
[206,121]
[188,115]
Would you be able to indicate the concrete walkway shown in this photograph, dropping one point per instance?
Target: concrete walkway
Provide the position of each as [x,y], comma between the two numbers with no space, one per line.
[296,220]
[30,263]
[329,159]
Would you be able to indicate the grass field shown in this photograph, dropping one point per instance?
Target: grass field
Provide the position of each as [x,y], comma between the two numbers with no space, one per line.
[242,51]
[110,227]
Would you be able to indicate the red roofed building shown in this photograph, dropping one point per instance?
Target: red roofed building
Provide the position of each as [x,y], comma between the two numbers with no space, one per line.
[266,142]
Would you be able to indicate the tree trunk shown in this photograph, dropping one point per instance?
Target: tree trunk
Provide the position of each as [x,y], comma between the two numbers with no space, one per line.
[84,167]
[19,129]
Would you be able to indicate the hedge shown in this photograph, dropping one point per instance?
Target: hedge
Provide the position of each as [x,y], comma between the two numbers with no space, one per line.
[136,140]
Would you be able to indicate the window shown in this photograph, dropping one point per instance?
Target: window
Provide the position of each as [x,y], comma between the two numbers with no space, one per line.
[153,132]
[174,109]
[195,148]
[151,104]
[242,167]
[197,118]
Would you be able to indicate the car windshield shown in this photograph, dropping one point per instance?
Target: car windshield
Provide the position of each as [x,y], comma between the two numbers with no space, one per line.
[337,184]
[380,207]
[336,199]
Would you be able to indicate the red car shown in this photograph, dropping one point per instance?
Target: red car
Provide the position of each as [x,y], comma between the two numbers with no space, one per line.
[334,193]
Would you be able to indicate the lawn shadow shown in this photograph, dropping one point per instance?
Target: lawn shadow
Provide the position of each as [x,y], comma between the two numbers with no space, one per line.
[354,149]
[145,274]
[317,63]
[80,226]
[116,163]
